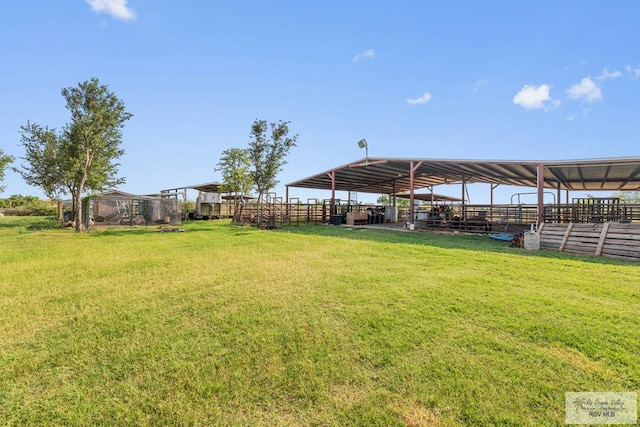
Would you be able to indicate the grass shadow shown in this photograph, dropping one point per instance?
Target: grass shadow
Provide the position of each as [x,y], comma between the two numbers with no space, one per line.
[30,223]
[461,241]
[127,230]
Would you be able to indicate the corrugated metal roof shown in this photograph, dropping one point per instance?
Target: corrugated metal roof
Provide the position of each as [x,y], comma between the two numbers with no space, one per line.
[207,187]
[391,175]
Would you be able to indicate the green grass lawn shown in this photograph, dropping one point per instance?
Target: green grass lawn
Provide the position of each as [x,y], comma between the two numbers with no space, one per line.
[321,325]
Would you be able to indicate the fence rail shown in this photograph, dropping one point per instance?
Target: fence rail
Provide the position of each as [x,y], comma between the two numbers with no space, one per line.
[609,239]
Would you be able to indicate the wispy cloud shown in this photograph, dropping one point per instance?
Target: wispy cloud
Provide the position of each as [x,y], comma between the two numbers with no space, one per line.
[584,115]
[635,72]
[607,75]
[535,97]
[479,84]
[585,91]
[366,55]
[116,8]
[426,97]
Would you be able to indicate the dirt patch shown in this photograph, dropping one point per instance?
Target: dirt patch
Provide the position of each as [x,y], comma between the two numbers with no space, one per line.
[415,415]
[347,394]
[575,359]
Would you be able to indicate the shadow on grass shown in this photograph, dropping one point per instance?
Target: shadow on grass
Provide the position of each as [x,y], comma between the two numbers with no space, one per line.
[30,223]
[462,241]
[186,227]
[127,230]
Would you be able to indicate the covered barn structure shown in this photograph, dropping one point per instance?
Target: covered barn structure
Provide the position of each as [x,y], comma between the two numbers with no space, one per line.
[394,176]
[600,226]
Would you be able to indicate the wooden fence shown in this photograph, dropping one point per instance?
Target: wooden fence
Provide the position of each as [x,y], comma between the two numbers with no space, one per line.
[609,239]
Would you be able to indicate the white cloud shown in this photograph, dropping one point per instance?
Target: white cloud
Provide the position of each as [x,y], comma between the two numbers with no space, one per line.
[586,91]
[426,97]
[367,54]
[635,72]
[606,75]
[480,83]
[115,8]
[534,98]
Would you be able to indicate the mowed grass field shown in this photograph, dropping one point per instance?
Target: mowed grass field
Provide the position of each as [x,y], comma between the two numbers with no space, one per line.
[319,325]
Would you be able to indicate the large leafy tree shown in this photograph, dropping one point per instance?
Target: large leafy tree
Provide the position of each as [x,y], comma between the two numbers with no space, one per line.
[5,159]
[83,155]
[47,162]
[268,152]
[44,166]
[234,164]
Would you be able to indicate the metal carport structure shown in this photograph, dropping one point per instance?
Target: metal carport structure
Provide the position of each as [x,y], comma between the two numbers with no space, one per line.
[396,175]
[207,187]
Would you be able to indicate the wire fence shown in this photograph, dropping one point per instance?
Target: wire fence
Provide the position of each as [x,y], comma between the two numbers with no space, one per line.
[134,210]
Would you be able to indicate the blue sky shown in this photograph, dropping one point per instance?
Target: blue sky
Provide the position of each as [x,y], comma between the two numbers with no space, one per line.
[462,80]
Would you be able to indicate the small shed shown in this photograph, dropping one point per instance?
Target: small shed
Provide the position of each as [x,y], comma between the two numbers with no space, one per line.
[119,208]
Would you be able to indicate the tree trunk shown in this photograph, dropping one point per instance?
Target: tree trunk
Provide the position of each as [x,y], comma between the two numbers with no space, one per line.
[78,209]
[237,209]
[258,217]
[73,206]
[81,184]
[78,204]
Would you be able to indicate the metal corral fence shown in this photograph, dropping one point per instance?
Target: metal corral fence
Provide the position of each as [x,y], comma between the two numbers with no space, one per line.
[482,218]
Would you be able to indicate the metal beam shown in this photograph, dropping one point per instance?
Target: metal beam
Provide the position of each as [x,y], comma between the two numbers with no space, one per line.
[493,187]
[633,175]
[540,180]
[413,166]
[332,175]
[464,190]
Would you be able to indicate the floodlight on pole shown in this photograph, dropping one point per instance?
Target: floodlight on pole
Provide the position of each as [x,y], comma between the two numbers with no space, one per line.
[363,144]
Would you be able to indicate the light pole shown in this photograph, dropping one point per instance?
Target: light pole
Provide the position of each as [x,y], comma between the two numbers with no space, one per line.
[363,144]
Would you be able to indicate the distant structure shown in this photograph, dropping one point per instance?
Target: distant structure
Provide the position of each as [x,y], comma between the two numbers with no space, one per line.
[115,207]
[211,203]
